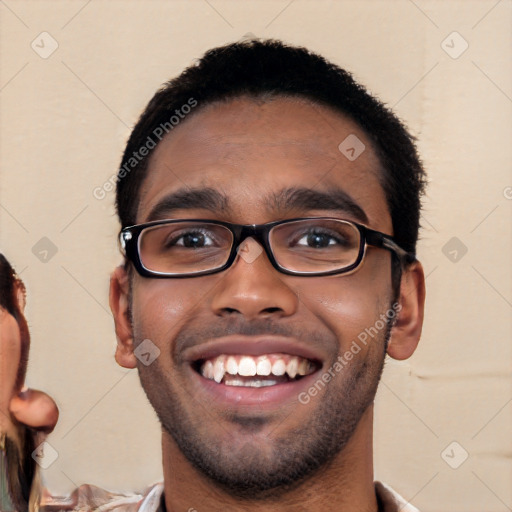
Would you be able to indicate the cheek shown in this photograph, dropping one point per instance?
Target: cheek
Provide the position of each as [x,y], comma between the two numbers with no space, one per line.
[160,308]
[349,304]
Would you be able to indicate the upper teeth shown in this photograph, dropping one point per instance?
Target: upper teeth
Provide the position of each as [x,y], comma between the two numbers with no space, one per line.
[249,366]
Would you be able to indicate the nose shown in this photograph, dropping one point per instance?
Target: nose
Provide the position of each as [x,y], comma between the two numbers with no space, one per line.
[252,287]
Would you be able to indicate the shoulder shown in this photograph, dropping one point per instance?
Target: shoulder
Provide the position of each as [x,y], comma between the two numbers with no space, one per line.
[391,501]
[92,498]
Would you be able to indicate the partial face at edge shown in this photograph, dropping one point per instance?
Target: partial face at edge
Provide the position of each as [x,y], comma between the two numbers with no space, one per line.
[251,440]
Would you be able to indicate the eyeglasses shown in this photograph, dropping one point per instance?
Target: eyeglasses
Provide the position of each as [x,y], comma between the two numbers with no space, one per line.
[318,246]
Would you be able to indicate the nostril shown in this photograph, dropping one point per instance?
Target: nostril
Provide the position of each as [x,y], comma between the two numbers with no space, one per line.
[271,310]
[230,310]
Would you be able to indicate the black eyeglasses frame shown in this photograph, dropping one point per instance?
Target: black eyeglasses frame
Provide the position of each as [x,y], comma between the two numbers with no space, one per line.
[129,246]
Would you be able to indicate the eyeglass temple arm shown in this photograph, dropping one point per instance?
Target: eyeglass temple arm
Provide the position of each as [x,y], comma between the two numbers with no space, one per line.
[406,257]
[382,240]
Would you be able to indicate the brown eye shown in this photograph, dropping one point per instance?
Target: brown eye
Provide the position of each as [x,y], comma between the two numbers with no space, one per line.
[320,240]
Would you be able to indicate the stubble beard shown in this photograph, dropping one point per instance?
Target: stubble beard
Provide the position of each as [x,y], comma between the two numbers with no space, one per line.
[249,472]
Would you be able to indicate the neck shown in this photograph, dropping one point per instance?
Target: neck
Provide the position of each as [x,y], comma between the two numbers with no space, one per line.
[346,483]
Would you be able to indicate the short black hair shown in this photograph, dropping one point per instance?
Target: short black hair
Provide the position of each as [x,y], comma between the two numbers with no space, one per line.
[267,68]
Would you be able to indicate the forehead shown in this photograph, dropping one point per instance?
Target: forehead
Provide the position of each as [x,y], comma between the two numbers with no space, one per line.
[252,151]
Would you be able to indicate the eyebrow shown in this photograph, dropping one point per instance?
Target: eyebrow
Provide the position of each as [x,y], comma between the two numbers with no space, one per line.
[294,198]
[189,199]
[334,199]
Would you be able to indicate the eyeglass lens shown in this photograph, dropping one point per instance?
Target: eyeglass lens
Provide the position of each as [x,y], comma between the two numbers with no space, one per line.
[317,245]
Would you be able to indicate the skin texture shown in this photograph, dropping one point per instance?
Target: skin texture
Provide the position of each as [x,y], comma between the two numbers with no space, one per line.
[10,350]
[219,457]
[20,407]
[29,407]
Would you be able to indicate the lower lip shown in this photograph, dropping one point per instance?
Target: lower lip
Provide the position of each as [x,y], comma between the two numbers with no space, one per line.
[266,396]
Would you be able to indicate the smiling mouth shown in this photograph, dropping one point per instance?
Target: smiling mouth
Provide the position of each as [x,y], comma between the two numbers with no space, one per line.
[255,371]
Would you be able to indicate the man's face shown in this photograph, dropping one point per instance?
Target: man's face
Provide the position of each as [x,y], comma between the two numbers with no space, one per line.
[256,156]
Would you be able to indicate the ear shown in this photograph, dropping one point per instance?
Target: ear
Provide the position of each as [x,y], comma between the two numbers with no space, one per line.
[120,305]
[406,331]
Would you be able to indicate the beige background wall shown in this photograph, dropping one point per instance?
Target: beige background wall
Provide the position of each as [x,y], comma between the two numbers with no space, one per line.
[66,117]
